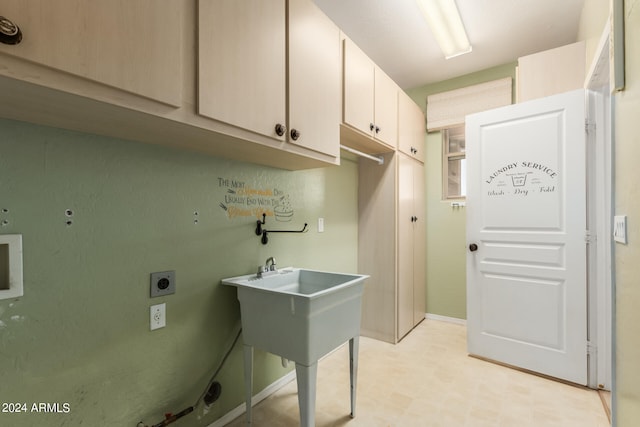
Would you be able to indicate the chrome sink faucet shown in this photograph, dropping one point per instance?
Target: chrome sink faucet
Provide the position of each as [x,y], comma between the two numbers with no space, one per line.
[272,266]
[268,268]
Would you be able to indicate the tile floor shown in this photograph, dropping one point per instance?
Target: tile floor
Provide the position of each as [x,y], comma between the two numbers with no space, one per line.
[428,380]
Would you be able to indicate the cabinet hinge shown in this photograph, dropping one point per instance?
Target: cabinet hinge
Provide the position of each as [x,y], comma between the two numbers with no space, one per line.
[589,237]
[592,349]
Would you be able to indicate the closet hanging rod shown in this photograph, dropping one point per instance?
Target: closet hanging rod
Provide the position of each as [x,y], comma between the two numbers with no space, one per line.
[378,159]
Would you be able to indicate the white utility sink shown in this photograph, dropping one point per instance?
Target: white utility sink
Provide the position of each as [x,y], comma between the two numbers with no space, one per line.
[300,315]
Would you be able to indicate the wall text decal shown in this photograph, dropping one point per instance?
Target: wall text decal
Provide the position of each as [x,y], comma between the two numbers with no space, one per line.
[243,200]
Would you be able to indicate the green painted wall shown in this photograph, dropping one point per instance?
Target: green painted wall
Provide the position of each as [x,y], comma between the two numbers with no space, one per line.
[446,226]
[80,334]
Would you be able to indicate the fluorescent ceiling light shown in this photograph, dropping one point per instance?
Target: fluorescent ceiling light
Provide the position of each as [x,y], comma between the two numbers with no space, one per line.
[446,25]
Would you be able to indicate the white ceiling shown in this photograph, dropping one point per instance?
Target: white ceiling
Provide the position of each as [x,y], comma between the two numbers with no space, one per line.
[395,36]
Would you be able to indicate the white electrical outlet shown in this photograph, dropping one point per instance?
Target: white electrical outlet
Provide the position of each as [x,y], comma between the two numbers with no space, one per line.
[620,229]
[158,316]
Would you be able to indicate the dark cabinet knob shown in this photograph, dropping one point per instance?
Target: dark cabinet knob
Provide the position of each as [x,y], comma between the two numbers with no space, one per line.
[473,247]
[281,129]
[295,134]
[372,126]
[9,32]
[377,129]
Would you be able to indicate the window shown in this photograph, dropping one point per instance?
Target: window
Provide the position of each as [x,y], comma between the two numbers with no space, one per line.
[446,112]
[454,164]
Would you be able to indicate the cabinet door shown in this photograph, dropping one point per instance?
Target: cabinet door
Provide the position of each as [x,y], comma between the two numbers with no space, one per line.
[411,244]
[419,243]
[135,46]
[314,78]
[405,245]
[385,109]
[551,72]
[411,127]
[241,63]
[358,88]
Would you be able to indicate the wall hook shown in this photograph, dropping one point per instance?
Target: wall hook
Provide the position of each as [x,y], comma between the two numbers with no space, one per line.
[260,224]
[264,233]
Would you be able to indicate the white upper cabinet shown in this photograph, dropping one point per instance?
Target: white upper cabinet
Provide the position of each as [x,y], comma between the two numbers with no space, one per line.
[252,80]
[241,64]
[135,46]
[551,72]
[358,89]
[314,79]
[243,74]
[385,109]
[411,127]
[370,98]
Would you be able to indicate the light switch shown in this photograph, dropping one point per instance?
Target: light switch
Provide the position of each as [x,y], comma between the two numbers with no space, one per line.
[320,225]
[620,229]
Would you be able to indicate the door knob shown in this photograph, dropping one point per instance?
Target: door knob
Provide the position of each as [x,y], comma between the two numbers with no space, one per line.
[473,247]
[295,134]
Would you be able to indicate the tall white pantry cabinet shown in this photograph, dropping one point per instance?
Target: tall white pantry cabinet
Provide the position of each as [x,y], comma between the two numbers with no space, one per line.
[392,231]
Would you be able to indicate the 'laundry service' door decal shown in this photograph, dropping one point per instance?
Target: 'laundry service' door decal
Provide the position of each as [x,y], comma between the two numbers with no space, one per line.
[521,179]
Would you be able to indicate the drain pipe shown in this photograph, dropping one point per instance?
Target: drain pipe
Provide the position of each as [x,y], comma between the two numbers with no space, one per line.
[210,395]
[169,418]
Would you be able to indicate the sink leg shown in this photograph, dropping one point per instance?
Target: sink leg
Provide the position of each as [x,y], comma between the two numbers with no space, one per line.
[306,378]
[354,344]
[248,379]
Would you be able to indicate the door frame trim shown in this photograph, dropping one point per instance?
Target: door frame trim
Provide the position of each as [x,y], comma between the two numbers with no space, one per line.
[600,214]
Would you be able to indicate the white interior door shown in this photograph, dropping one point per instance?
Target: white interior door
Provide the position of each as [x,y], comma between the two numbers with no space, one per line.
[526,216]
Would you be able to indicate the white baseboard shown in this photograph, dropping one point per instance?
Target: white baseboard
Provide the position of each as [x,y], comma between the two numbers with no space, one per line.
[446,319]
[241,409]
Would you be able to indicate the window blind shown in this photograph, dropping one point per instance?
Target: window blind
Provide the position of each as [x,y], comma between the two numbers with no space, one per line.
[448,109]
